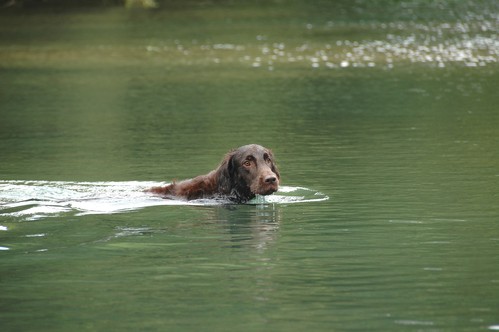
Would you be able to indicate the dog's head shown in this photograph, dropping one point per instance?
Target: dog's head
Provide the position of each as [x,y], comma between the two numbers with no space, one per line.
[250,171]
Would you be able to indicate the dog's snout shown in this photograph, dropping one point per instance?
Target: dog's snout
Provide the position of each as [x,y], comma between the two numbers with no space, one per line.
[270,179]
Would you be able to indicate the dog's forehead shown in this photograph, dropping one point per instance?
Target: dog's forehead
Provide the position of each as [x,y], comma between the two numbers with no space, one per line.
[251,150]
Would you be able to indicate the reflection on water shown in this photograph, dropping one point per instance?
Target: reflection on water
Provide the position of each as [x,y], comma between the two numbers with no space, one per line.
[464,44]
[255,227]
[465,34]
[246,226]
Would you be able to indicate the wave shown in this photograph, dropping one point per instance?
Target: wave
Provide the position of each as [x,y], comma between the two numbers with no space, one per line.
[34,200]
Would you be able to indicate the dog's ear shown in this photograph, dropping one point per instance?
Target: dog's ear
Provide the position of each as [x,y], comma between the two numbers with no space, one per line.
[274,166]
[226,172]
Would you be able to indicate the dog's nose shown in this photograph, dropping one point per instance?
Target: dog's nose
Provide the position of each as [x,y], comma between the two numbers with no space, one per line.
[270,179]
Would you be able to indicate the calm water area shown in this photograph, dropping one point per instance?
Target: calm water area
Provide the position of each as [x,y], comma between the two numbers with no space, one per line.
[383,117]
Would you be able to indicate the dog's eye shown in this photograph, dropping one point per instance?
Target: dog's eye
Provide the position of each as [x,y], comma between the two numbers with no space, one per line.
[247,163]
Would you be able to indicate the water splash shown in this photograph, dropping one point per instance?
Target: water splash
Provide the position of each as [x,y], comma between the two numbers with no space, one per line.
[34,200]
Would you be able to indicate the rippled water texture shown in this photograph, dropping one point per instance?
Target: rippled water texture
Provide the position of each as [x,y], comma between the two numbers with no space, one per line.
[33,200]
[323,35]
[382,117]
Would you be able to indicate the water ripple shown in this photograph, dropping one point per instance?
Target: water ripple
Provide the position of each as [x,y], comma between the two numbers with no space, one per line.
[471,43]
[33,200]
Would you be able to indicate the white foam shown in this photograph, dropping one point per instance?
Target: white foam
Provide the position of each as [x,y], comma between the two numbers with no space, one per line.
[32,200]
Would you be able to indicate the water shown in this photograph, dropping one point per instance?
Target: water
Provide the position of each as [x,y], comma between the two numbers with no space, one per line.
[383,121]
[34,200]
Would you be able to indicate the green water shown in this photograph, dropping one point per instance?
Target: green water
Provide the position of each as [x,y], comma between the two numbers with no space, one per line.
[388,108]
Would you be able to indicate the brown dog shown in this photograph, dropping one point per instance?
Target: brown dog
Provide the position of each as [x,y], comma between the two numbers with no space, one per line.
[243,173]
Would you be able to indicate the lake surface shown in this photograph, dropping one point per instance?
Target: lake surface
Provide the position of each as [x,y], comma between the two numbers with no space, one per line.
[384,121]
